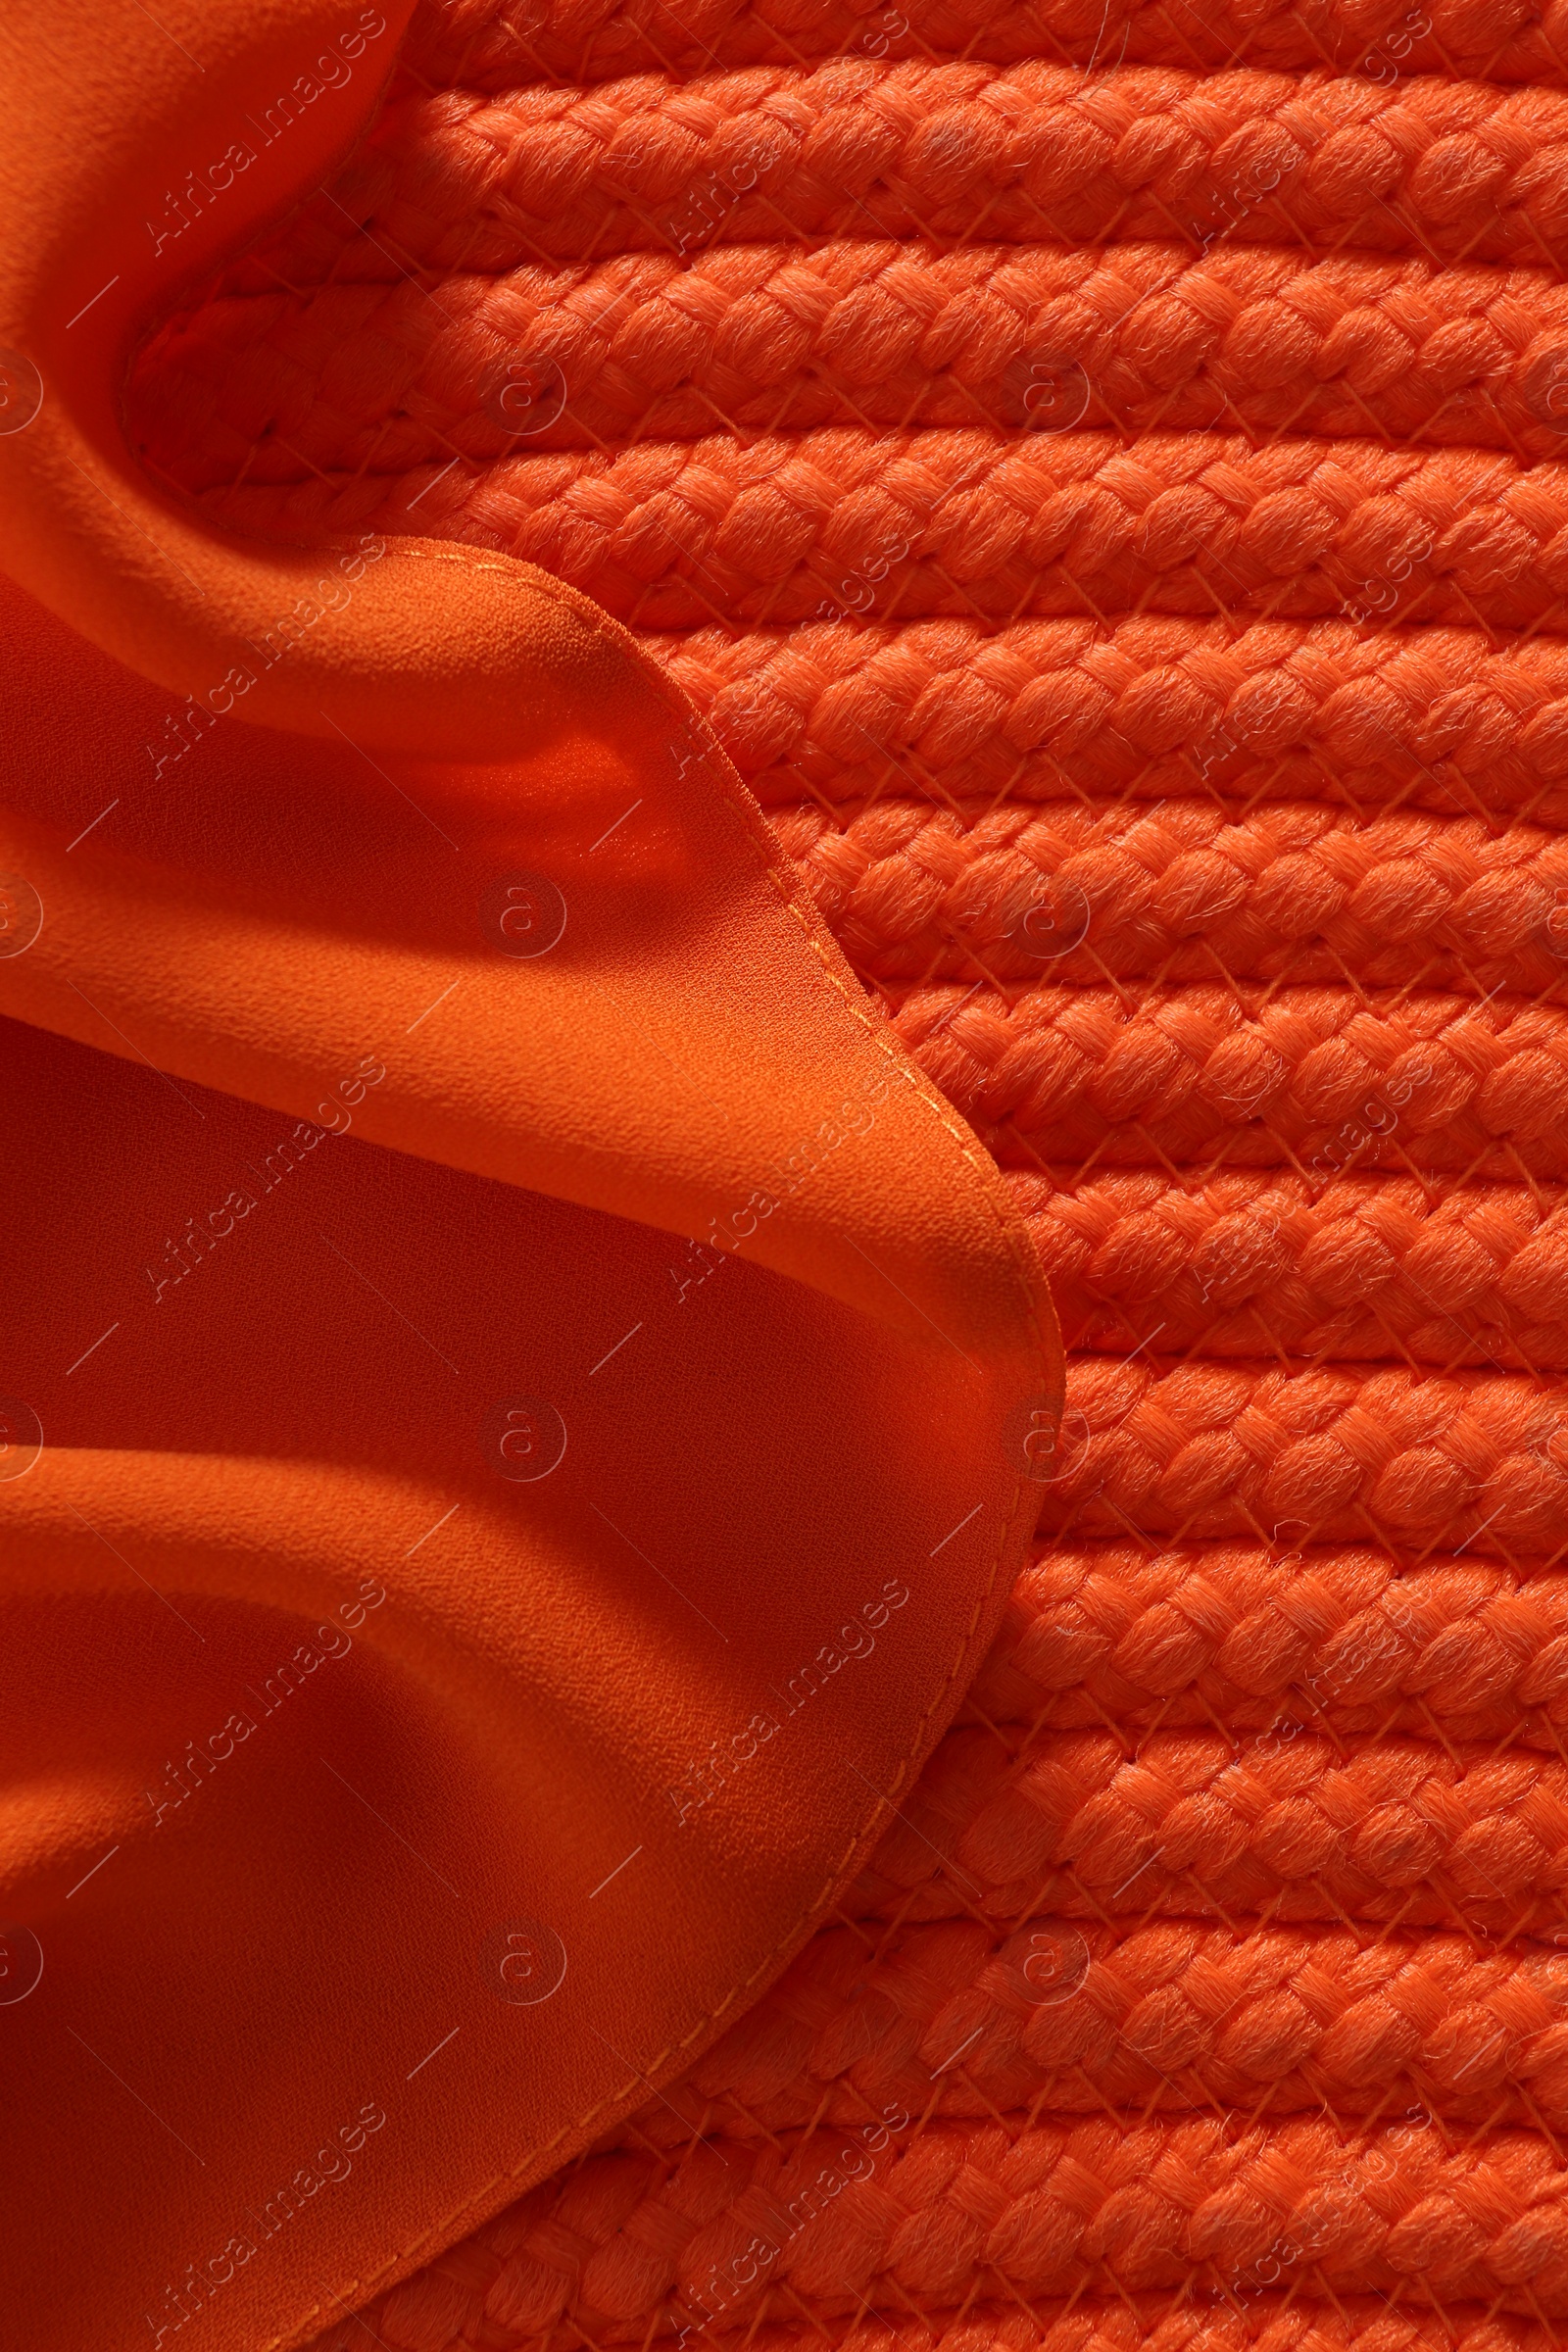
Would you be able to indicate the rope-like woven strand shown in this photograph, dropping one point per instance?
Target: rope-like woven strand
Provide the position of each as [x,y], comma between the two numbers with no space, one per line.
[1293,892]
[1145,708]
[1272,1264]
[1075,2203]
[975,525]
[958,151]
[1410,1833]
[1321,1079]
[503,44]
[515,2269]
[1258,1637]
[768,336]
[1417,1462]
[1175,2014]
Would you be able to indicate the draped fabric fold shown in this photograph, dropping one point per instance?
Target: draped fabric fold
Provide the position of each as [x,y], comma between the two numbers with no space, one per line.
[521,1404]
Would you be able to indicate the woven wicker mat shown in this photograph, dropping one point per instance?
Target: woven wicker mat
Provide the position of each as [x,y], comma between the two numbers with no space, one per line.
[1101,470]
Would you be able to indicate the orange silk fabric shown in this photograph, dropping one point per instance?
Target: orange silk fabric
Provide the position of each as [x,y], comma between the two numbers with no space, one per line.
[533,1385]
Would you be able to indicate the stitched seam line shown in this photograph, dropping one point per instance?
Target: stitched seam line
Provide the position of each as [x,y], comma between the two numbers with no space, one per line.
[1031,1287]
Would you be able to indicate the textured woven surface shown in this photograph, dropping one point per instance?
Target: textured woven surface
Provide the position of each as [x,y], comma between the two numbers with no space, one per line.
[675,533]
[890,332]
[1294,893]
[859,145]
[1228,712]
[1116,1632]
[474,45]
[1360,1267]
[1324,1076]
[1103,468]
